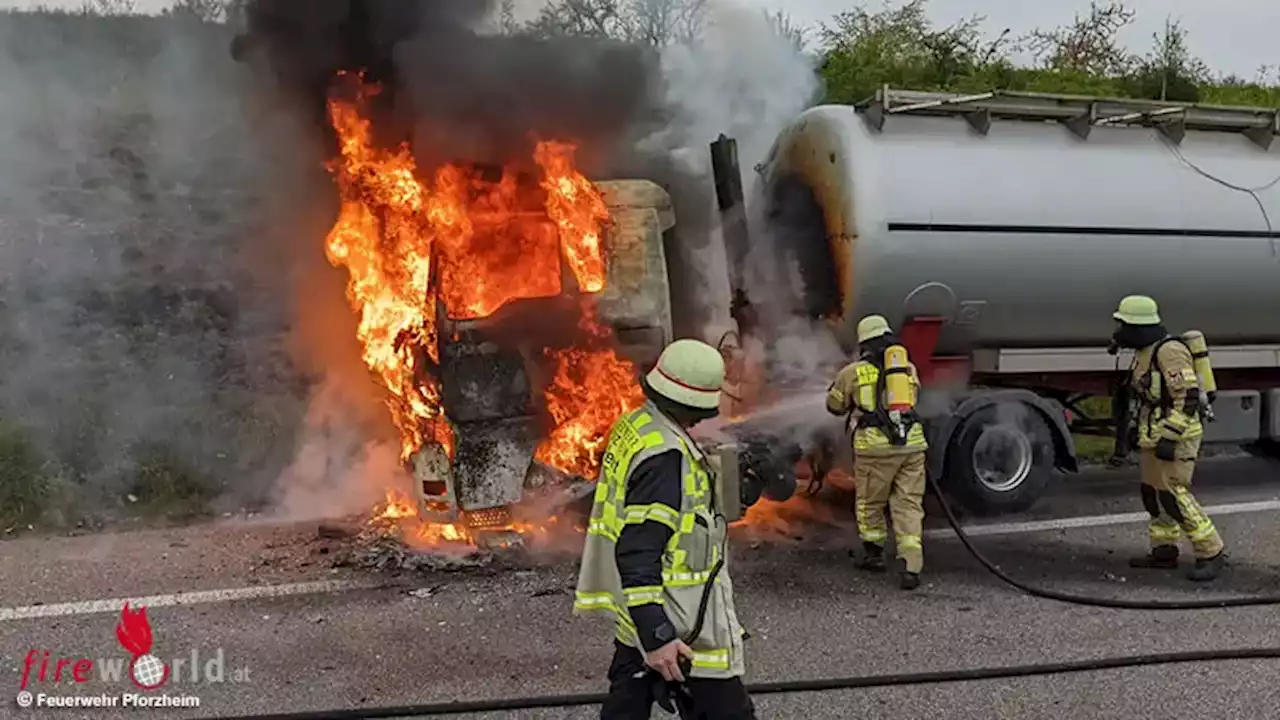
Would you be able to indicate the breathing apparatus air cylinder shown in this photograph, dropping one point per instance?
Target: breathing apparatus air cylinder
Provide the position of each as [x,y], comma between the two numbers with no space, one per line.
[899,398]
[1199,348]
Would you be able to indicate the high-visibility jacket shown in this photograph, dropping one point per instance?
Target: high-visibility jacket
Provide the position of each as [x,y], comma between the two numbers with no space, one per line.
[696,545]
[855,391]
[1163,394]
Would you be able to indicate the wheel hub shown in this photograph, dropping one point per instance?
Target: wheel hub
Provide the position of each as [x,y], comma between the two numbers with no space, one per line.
[1002,458]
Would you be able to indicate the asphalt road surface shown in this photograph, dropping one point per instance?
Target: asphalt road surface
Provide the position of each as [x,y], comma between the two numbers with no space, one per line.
[295,633]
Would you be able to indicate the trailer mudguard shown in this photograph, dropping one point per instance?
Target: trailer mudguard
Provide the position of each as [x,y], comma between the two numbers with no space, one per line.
[1064,448]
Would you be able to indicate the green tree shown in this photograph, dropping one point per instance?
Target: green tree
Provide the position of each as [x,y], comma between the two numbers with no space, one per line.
[784,26]
[1169,71]
[210,11]
[109,7]
[864,50]
[656,23]
[1088,45]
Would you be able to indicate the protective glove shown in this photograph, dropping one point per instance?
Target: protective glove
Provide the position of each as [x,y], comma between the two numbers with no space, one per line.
[1165,450]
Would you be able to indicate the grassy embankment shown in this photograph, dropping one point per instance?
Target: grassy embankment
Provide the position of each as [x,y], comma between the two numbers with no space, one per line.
[1091,448]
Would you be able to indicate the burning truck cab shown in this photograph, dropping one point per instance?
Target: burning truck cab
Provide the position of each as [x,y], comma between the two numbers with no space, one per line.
[503,309]
[530,405]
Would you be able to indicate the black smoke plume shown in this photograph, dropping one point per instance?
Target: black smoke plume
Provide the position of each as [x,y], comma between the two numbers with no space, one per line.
[453,92]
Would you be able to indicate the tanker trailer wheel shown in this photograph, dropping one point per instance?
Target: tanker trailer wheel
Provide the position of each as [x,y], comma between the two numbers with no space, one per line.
[1000,459]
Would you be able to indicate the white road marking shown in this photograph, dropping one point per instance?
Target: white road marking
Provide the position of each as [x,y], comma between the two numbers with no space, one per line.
[1018,528]
[90,607]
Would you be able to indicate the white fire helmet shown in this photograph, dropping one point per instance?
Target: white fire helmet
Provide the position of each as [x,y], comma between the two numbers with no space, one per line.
[689,372]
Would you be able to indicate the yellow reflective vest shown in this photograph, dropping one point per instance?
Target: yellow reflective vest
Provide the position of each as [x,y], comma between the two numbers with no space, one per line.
[698,539]
[854,391]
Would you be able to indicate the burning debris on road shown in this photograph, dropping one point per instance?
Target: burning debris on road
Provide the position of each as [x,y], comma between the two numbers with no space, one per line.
[396,539]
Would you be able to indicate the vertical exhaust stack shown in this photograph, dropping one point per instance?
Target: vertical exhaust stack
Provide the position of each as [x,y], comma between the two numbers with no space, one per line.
[737,241]
[733,224]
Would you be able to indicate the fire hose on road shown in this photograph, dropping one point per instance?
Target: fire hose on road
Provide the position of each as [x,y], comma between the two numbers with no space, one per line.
[875,681]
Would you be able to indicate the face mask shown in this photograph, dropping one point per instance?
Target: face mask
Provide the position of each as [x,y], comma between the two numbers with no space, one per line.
[1132,337]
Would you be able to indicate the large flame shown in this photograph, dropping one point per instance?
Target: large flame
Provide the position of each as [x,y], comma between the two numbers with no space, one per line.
[463,245]
[592,388]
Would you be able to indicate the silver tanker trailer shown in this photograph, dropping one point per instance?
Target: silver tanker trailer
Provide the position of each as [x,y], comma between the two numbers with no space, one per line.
[998,231]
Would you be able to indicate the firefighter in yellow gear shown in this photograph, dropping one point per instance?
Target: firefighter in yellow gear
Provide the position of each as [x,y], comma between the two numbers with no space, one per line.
[878,394]
[656,550]
[1165,387]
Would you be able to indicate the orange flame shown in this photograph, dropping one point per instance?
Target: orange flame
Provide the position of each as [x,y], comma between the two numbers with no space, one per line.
[462,246]
[383,237]
[398,508]
[592,388]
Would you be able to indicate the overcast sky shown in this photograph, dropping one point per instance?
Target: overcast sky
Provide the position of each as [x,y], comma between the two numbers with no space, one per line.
[1233,36]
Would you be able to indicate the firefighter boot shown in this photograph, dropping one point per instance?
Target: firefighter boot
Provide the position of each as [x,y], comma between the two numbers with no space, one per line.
[1207,569]
[1162,557]
[872,557]
[908,580]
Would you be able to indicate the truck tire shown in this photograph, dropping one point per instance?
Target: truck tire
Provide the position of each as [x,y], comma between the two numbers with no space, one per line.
[1000,460]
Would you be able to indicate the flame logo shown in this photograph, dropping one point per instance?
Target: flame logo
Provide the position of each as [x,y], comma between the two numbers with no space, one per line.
[134,634]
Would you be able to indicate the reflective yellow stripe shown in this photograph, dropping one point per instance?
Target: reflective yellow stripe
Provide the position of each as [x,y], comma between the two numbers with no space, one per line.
[685,578]
[603,602]
[1202,532]
[599,527]
[909,542]
[1163,531]
[869,438]
[609,516]
[1175,424]
[871,526]
[645,595]
[627,636]
[687,522]
[711,659]
[868,374]
[658,512]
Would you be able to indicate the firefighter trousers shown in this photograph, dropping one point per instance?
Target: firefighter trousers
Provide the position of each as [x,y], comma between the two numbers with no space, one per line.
[898,481]
[1166,495]
[631,693]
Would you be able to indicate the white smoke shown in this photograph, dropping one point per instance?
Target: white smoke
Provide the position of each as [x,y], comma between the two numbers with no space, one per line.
[139,347]
[338,469]
[746,79]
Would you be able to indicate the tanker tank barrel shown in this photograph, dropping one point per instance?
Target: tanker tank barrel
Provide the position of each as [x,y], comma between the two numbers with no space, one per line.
[896,219]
